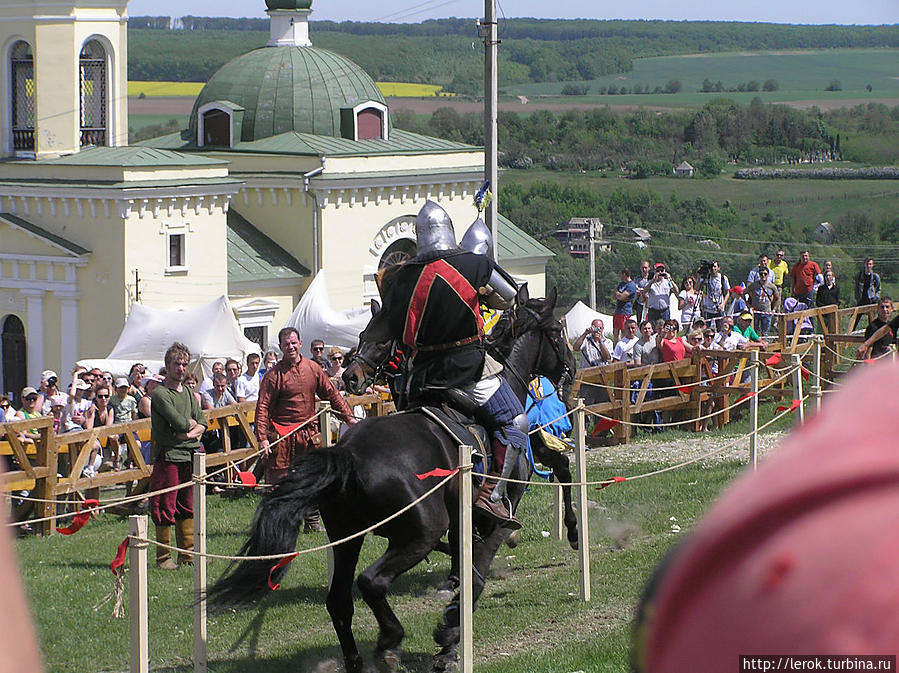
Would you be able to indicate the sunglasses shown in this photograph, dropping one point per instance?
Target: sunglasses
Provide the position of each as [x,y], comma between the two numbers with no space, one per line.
[31,398]
[4,406]
[103,397]
[318,348]
[337,358]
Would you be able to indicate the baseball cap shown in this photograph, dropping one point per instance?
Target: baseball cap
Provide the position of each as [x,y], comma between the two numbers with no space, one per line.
[48,374]
[81,384]
[746,316]
[152,377]
[660,267]
[28,390]
[121,381]
[58,400]
[796,557]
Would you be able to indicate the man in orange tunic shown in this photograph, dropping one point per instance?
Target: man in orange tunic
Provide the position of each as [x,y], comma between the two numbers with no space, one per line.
[287,398]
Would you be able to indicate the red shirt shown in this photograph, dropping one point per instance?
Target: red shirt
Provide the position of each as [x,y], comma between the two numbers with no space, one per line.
[673,349]
[803,275]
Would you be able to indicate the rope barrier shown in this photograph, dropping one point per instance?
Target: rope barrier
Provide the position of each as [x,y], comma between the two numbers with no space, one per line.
[674,387]
[742,400]
[855,360]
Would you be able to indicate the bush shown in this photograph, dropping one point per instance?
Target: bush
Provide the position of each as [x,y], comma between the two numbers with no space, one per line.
[770,85]
[710,165]
[674,86]
[575,89]
[835,85]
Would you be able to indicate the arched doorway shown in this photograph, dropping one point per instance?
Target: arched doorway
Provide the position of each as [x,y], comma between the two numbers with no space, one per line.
[13,355]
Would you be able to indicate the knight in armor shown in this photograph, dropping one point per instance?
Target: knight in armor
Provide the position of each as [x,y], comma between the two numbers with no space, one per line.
[433,304]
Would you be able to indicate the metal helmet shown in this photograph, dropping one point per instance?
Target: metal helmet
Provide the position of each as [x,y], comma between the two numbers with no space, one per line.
[434,229]
[478,239]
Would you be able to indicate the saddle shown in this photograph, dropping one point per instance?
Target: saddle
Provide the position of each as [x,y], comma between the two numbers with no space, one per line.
[455,413]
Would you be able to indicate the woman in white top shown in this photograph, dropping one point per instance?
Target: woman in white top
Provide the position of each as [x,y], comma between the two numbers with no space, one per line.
[688,303]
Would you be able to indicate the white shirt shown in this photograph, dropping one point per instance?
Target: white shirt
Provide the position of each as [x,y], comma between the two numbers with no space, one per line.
[248,386]
[732,342]
[624,349]
[205,386]
[592,353]
[657,294]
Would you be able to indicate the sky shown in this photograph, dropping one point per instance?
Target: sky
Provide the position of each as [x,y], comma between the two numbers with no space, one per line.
[772,11]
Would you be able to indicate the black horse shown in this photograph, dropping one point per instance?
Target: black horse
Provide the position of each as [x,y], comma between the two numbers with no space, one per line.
[370,475]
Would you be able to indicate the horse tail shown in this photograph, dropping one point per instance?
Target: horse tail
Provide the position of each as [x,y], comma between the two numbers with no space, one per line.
[276,525]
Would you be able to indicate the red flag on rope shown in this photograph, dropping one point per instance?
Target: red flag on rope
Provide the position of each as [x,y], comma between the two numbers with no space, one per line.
[283,563]
[285,429]
[745,396]
[686,390]
[80,518]
[870,361]
[773,360]
[436,472]
[119,559]
[806,374]
[245,478]
[609,482]
[793,407]
[605,424]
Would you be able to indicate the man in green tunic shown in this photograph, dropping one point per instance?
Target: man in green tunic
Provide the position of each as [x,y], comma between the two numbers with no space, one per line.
[177,424]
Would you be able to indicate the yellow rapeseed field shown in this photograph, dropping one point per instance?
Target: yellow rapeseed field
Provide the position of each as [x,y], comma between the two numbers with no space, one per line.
[152,89]
[391,89]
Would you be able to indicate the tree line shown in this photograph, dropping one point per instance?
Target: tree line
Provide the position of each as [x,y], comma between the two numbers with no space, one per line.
[650,143]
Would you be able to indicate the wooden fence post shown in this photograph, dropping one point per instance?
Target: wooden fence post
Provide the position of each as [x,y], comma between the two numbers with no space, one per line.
[583,536]
[754,409]
[796,362]
[137,594]
[324,423]
[815,383]
[199,562]
[466,590]
[45,488]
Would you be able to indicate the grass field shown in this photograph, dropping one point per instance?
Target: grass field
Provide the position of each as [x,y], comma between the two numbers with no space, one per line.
[801,75]
[530,618]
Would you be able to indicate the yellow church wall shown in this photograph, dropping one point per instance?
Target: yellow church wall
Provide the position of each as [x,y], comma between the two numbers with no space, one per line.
[56,91]
[146,250]
[267,163]
[403,162]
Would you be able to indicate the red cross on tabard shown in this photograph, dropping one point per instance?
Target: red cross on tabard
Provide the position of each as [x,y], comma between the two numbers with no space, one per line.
[438,269]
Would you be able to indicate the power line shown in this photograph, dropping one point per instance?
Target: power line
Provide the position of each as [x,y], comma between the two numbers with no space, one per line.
[763,242]
[415,10]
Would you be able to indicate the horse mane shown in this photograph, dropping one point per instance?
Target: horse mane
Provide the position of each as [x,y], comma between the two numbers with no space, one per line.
[517,321]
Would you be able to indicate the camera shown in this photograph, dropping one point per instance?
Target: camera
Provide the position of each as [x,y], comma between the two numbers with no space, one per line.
[51,381]
[704,269]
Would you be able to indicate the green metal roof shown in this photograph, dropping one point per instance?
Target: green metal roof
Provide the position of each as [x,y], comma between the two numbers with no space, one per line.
[513,243]
[116,184]
[253,256]
[307,144]
[129,157]
[40,232]
[288,88]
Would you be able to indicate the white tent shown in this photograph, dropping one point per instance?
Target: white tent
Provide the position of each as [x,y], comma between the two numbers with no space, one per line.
[315,319]
[210,331]
[580,316]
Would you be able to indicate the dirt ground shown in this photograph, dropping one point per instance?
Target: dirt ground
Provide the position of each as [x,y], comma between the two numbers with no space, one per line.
[182,106]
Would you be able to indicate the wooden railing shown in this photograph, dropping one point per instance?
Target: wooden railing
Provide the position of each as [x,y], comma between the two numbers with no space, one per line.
[52,467]
[674,386]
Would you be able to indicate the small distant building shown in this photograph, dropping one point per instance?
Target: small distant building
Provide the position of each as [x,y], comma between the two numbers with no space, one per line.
[709,243]
[684,170]
[575,236]
[641,236]
[824,232]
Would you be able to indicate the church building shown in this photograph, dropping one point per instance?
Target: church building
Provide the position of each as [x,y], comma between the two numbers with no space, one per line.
[290,165]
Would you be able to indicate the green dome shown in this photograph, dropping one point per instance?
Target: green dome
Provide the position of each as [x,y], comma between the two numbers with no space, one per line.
[288,4]
[286,89]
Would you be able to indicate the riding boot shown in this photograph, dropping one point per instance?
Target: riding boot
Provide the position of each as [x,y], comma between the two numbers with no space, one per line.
[494,509]
[184,534]
[312,523]
[164,554]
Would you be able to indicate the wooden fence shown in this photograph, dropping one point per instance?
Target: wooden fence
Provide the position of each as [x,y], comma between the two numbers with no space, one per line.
[52,467]
[680,387]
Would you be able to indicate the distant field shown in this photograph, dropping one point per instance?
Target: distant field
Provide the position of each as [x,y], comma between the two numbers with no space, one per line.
[801,75]
[177,89]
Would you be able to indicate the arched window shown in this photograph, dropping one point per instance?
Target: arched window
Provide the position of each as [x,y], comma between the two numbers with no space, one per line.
[23,107]
[216,128]
[93,94]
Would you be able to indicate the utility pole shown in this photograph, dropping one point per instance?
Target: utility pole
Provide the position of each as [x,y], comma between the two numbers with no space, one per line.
[591,228]
[487,30]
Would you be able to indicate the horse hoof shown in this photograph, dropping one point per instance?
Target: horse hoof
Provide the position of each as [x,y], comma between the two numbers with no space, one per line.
[514,539]
[574,544]
[447,591]
[444,663]
[389,660]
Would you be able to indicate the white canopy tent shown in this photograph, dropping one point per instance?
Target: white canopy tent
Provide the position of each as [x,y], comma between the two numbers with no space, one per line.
[211,332]
[315,319]
[580,316]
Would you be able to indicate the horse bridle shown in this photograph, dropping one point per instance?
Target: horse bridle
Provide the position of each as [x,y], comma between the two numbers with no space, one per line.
[567,374]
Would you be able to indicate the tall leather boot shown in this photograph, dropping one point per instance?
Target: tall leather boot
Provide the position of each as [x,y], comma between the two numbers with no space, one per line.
[163,554]
[494,510]
[184,534]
